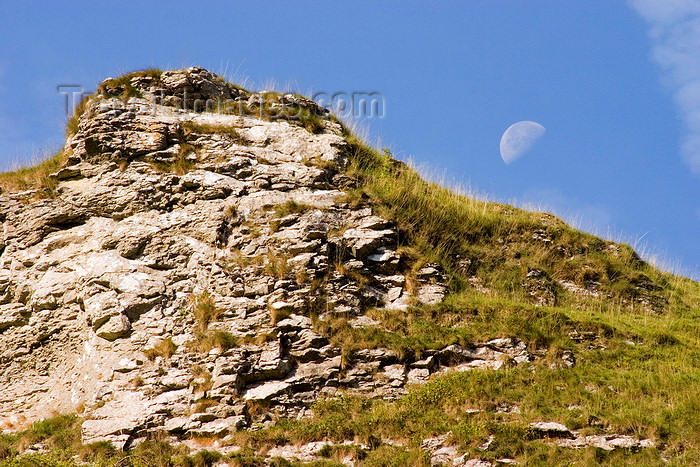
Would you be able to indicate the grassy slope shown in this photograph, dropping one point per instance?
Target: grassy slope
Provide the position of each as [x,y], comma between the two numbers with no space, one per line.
[640,376]
[33,177]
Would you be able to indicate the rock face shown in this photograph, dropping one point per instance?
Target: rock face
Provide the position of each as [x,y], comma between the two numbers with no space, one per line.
[174,279]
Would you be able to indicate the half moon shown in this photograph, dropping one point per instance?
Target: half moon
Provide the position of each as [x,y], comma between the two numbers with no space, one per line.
[518,138]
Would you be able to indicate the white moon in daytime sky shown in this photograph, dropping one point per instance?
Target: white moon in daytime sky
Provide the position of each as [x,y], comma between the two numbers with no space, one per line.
[518,138]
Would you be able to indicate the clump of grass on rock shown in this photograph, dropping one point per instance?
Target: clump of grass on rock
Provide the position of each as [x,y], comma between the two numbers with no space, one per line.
[205,312]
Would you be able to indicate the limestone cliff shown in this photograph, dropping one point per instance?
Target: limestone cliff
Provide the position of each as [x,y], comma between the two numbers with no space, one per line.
[133,257]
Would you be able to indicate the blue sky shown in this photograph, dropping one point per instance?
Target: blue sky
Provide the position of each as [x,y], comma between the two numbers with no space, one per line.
[616,84]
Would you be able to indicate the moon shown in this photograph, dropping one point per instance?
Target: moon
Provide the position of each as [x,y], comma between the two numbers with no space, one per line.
[518,138]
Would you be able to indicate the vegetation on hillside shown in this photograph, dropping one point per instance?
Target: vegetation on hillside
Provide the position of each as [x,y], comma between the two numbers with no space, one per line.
[637,373]
[634,331]
[500,244]
[34,177]
[55,442]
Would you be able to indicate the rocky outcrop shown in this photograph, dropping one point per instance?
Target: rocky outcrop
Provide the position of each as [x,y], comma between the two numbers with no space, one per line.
[174,280]
[442,452]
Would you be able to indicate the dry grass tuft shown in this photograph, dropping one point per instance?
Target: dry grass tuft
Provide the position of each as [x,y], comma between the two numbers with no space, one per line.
[165,348]
[205,311]
[191,128]
[36,177]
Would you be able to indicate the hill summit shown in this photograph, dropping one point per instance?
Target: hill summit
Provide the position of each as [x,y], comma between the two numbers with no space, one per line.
[206,274]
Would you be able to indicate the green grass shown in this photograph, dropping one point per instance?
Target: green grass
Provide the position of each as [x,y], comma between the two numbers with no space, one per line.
[643,391]
[499,243]
[640,378]
[59,438]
